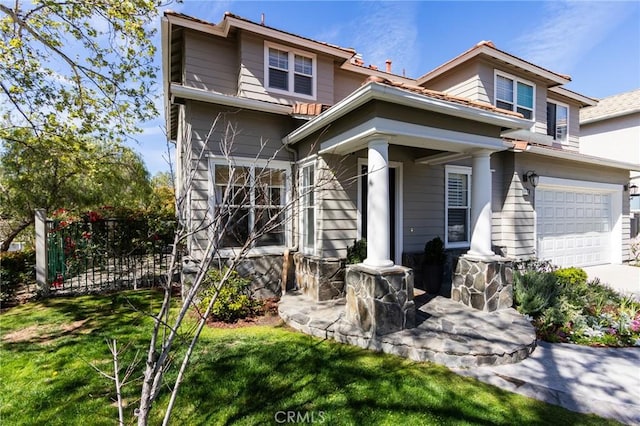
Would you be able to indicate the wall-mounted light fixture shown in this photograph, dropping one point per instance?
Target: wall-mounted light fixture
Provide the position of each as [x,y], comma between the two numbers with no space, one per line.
[634,191]
[531,177]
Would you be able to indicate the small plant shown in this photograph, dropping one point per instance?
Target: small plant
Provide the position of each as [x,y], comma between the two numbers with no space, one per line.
[357,253]
[233,301]
[434,252]
[534,292]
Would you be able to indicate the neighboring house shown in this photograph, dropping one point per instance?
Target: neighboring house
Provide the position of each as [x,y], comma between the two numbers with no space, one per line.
[611,129]
[455,153]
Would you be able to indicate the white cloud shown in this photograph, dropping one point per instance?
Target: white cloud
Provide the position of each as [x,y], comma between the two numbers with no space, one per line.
[388,31]
[569,31]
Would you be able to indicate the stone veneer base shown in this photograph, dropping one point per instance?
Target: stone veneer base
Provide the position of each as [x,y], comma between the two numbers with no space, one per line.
[483,284]
[448,333]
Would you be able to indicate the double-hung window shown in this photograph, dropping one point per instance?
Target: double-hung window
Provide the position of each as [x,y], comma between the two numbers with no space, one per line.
[458,206]
[515,95]
[307,209]
[249,200]
[557,121]
[290,71]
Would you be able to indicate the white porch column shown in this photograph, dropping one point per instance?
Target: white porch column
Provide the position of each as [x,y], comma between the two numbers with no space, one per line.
[378,232]
[481,206]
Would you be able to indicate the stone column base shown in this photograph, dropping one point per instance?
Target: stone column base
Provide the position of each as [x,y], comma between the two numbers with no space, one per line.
[486,285]
[380,301]
[320,278]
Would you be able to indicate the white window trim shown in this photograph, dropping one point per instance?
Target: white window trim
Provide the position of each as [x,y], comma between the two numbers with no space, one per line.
[557,103]
[291,72]
[460,170]
[308,250]
[516,80]
[252,163]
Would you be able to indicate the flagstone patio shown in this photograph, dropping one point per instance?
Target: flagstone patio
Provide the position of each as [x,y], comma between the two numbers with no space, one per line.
[446,332]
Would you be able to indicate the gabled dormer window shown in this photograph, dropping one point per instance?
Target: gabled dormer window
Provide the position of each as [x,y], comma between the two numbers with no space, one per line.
[514,94]
[557,121]
[290,71]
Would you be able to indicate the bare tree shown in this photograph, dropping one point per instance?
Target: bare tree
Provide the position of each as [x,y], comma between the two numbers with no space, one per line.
[237,187]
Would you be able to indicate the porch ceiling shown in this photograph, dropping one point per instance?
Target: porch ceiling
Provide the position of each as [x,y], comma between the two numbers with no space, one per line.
[408,134]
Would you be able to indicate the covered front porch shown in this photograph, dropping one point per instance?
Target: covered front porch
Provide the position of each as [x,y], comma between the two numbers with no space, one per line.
[420,139]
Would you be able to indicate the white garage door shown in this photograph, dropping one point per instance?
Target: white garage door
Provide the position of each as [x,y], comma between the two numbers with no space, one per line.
[573,226]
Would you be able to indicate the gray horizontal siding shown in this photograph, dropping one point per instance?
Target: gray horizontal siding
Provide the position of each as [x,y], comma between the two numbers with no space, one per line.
[211,63]
[252,82]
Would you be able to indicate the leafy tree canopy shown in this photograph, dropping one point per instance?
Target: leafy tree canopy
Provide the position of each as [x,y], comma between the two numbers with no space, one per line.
[78,66]
[66,172]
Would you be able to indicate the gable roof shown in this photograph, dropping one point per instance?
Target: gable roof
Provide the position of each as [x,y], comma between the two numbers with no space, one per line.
[487,48]
[612,106]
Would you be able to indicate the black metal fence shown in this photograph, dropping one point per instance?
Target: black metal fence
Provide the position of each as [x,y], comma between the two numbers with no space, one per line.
[101,254]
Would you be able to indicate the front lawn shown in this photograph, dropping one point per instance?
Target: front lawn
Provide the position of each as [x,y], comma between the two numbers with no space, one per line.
[252,375]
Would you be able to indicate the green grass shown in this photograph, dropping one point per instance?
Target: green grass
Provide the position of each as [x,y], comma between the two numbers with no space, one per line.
[238,376]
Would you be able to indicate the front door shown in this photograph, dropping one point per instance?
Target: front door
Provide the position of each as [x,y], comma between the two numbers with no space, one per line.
[393,207]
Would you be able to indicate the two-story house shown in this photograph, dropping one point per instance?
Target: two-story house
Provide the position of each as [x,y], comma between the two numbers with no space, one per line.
[483,152]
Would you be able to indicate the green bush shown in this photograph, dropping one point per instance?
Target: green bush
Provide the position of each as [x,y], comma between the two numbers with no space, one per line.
[357,253]
[534,291]
[434,253]
[233,302]
[571,276]
[565,307]
[16,268]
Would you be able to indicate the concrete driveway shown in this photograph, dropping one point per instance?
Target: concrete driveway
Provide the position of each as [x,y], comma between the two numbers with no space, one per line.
[623,278]
[603,381]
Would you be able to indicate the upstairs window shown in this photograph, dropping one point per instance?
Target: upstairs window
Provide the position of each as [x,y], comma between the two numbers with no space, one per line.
[458,206]
[278,69]
[515,95]
[290,71]
[557,121]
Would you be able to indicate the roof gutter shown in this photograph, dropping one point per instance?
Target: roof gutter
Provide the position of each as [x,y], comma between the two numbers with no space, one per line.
[383,92]
[195,94]
[566,155]
[165,36]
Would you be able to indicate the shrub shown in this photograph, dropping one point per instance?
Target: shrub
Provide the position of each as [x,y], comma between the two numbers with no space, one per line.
[571,276]
[434,252]
[233,302]
[16,268]
[534,291]
[357,253]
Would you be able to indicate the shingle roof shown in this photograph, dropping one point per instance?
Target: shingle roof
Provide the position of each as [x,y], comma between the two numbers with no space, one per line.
[621,104]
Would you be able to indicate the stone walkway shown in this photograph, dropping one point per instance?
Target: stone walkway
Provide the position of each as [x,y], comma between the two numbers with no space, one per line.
[446,332]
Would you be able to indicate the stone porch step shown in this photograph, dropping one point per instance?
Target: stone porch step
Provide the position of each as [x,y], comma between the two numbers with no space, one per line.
[446,332]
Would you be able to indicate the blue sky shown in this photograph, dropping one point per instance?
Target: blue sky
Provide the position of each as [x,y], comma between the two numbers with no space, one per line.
[596,43]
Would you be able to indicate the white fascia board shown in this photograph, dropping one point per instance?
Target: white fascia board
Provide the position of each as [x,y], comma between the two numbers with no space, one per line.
[195,94]
[497,55]
[165,47]
[289,38]
[581,158]
[221,29]
[383,92]
[356,137]
[573,95]
[609,116]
